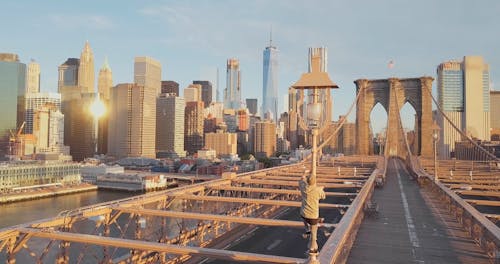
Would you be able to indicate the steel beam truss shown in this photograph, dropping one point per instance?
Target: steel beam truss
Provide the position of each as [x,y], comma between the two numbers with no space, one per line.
[175,225]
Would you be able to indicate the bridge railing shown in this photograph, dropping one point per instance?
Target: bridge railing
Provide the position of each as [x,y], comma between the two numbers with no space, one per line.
[340,242]
[483,231]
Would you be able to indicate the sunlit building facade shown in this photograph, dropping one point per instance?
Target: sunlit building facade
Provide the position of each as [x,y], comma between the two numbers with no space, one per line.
[131,122]
[170,111]
[264,139]
[86,73]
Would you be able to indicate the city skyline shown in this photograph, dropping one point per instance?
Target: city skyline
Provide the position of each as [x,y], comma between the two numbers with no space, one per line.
[360,45]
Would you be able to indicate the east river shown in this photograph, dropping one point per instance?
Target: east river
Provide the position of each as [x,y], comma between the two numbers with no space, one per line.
[27,211]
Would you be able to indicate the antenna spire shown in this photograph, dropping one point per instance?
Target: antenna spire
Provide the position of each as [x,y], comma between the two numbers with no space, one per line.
[271,37]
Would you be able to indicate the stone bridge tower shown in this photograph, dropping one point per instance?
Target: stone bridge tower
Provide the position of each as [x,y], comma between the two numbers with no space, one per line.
[392,94]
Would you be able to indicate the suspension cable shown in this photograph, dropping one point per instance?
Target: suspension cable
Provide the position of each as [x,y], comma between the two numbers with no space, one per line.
[484,151]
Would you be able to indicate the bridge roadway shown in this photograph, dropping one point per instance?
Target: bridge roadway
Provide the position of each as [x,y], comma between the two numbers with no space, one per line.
[412,226]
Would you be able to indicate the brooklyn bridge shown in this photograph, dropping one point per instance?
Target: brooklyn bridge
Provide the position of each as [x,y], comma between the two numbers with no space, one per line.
[403,205]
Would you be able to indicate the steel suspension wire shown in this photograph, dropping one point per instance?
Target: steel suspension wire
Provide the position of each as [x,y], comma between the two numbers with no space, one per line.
[341,121]
[400,123]
[484,151]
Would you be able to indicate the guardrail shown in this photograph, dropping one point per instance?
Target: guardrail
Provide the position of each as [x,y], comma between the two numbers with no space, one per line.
[340,242]
[483,231]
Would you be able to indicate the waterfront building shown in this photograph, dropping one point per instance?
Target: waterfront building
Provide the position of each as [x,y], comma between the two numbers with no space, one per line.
[33,78]
[223,143]
[270,82]
[170,112]
[463,94]
[90,172]
[16,175]
[193,127]
[232,93]
[132,122]
[147,72]
[252,105]
[86,74]
[265,139]
[13,86]
[168,87]
[206,91]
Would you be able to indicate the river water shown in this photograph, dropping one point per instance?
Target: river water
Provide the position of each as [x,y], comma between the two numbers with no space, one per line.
[27,211]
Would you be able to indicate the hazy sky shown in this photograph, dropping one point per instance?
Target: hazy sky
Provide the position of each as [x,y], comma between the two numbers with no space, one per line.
[192,39]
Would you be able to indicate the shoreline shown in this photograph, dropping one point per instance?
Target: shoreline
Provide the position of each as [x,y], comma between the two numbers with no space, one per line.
[45,193]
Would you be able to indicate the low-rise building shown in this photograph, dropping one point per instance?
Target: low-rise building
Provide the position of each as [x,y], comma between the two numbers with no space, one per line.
[34,173]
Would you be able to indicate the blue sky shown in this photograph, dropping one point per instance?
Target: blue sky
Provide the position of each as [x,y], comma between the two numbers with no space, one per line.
[193,38]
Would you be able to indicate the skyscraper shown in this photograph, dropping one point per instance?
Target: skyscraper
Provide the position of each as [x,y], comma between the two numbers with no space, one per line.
[131,122]
[206,91]
[232,93]
[252,105]
[170,111]
[77,87]
[86,74]
[463,94]
[104,86]
[33,77]
[105,80]
[13,86]
[68,74]
[168,87]
[270,83]
[147,72]
[48,129]
[193,127]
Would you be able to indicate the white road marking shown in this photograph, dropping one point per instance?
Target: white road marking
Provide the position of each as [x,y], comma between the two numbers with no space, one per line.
[274,244]
[409,220]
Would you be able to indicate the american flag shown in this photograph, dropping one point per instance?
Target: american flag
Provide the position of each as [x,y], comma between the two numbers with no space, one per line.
[390,65]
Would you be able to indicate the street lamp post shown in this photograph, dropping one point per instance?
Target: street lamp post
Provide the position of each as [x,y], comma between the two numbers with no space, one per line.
[435,138]
[313,80]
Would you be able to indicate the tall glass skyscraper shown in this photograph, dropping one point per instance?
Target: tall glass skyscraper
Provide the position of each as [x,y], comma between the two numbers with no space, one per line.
[232,93]
[270,83]
[12,85]
[464,95]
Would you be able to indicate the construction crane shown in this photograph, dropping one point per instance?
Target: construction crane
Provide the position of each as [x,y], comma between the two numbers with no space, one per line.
[15,142]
